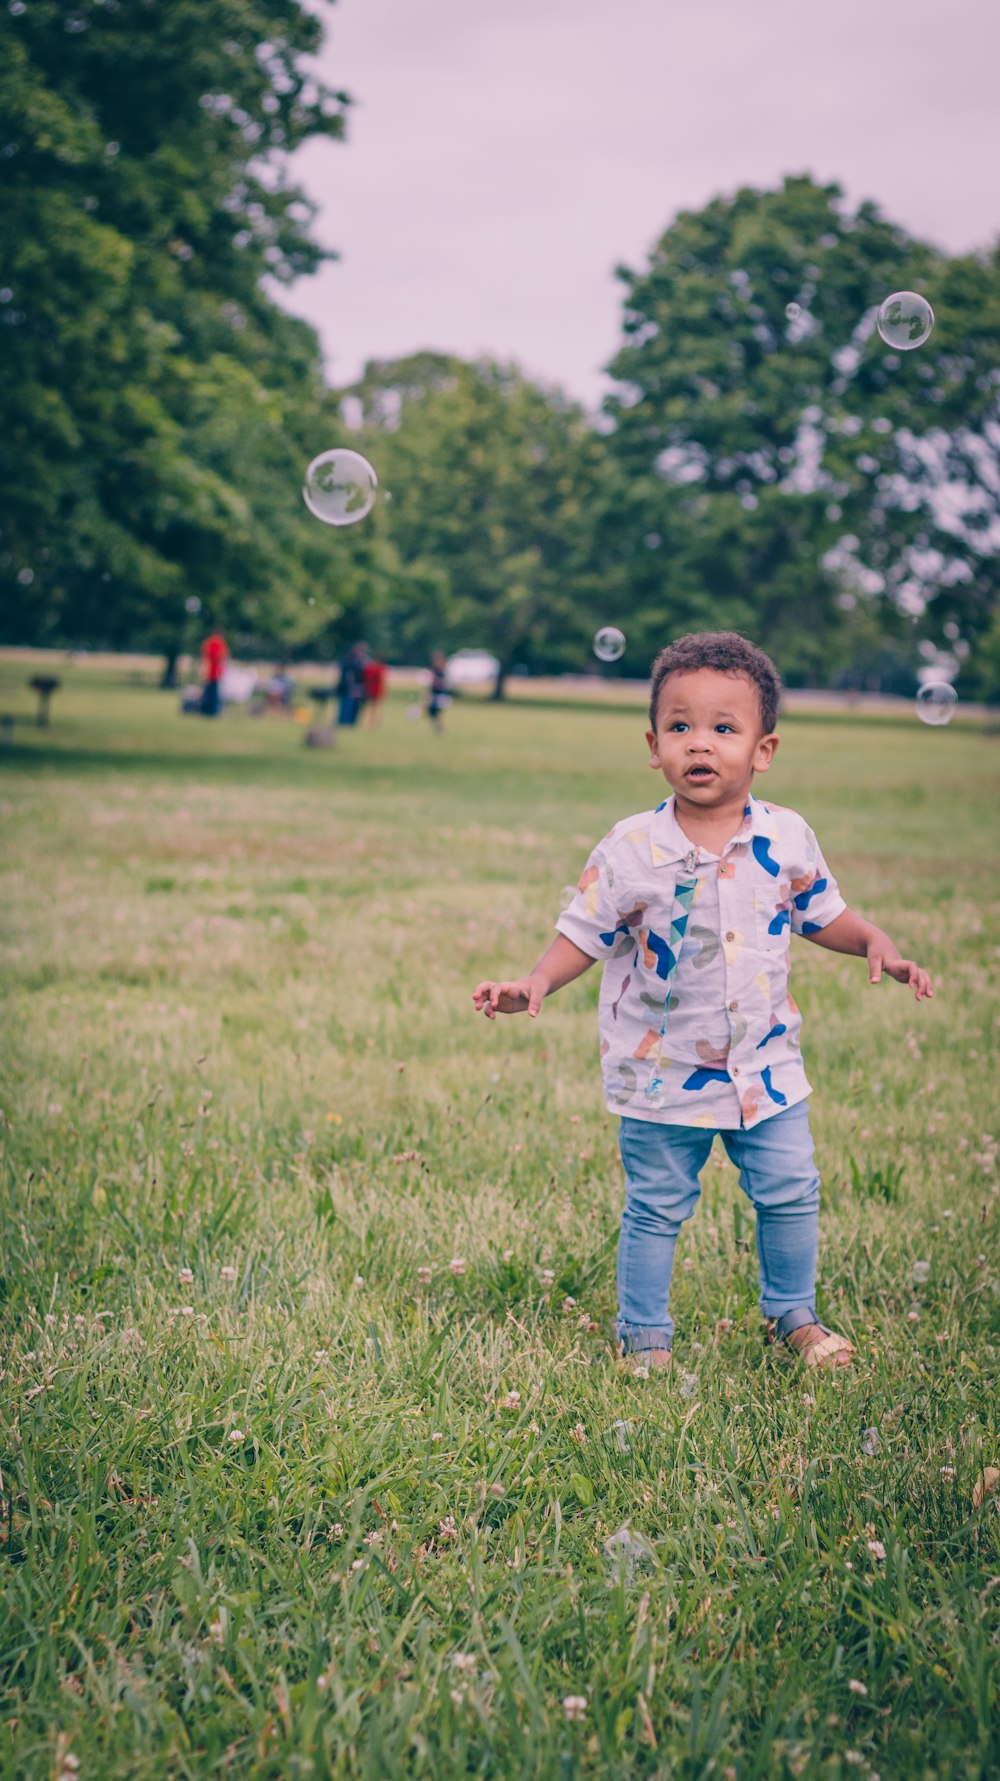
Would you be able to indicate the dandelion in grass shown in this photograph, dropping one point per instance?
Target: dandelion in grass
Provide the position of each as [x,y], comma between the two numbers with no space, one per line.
[575,1706]
[457,1264]
[185,1276]
[856,1687]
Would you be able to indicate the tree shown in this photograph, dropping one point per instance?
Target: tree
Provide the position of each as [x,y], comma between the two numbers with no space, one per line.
[495,485]
[800,466]
[158,407]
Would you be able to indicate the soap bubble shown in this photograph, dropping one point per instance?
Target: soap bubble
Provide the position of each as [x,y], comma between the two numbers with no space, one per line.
[871,1442]
[340,487]
[609,644]
[936,702]
[921,1272]
[905,320]
[792,310]
[192,605]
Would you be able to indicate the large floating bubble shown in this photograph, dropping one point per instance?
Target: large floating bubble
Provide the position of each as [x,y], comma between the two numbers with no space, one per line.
[609,644]
[340,487]
[905,320]
[936,702]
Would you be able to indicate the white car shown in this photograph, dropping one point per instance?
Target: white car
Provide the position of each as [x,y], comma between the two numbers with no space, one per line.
[472,667]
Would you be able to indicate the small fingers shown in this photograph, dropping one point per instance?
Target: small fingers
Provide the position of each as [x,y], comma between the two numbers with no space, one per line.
[874,967]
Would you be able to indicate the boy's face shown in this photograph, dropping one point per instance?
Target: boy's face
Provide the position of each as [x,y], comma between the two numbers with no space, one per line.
[708,741]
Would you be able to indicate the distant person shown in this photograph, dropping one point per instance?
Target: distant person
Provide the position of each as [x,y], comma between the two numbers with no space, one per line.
[376,678]
[351,690]
[214,656]
[439,693]
[280,689]
[699,1033]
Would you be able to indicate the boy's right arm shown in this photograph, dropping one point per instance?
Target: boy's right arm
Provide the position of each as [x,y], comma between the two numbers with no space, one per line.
[559,966]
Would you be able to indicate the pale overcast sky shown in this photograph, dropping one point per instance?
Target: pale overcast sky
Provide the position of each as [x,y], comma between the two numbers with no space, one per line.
[504,155]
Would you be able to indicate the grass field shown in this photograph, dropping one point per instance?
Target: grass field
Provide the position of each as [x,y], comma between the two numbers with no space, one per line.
[308,1465]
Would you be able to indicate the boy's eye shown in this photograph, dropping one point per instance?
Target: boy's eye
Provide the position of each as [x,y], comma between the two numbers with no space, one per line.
[725,729]
[678,725]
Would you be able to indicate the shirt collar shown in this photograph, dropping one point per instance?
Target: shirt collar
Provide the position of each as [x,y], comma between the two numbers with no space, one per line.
[668,844]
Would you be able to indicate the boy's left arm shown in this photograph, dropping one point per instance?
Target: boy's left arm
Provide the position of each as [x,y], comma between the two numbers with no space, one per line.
[850,932]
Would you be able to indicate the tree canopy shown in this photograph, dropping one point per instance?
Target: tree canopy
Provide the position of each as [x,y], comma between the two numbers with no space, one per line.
[764,461]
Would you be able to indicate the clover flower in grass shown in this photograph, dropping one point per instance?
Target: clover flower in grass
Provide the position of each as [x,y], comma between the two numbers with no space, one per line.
[876,1549]
[568,1303]
[512,1401]
[185,1276]
[359,1280]
[575,1706]
[640,1372]
[548,1275]
[228,1272]
[457,1264]
[948,1472]
[508,1255]
[234,1436]
[447,1528]
[337,1531]
[374,1538]
[856,1687]
[578,1434]
[424,1276]
[464,1662]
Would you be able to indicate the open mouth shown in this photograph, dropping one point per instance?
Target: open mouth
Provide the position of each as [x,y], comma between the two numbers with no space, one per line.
[700,773]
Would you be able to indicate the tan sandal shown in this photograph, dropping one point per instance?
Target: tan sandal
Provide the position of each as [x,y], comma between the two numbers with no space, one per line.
[813,1343]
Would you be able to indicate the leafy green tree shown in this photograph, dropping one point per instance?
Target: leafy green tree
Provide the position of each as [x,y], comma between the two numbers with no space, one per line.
[798,466]
[495,485]
[157,405]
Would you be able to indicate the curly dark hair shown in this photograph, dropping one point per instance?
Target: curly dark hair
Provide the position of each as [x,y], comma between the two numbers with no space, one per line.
[730,654]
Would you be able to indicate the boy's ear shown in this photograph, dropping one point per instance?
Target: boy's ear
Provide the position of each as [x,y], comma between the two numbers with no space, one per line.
[764,753]
[654,753]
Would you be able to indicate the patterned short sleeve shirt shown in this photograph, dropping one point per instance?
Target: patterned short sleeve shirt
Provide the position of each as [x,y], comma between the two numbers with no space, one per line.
[697,1024]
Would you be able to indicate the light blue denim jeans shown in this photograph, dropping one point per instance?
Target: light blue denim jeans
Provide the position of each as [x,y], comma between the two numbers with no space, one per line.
[777,1173]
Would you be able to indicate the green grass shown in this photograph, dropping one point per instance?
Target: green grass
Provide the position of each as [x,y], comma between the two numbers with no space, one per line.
[238,1039]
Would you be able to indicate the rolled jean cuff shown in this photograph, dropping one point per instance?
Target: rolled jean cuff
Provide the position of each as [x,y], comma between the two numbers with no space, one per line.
[787,1322]
[636,1337]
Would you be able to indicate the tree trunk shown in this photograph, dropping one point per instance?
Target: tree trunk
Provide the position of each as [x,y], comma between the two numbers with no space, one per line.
[500,683]
[169,679]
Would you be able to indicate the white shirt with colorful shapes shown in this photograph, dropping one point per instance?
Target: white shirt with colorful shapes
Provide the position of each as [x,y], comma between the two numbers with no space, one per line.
[697,1024]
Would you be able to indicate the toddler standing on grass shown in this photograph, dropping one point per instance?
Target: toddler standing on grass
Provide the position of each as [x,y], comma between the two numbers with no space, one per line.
[691,908]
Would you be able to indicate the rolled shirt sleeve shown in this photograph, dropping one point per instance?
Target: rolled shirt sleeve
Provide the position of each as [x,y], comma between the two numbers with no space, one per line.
[595,919]
[816,898]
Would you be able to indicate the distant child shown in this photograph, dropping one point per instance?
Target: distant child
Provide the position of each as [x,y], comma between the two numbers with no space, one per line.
[376,677]
[439,693]
[691,908]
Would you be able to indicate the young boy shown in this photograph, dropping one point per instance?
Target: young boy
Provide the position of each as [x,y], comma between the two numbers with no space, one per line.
[691,907]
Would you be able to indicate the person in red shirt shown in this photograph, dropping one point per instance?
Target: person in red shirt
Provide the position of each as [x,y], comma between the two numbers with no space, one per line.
[376,675]
[214,655]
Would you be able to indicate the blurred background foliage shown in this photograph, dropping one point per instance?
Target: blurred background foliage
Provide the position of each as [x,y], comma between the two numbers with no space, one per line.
[778,470]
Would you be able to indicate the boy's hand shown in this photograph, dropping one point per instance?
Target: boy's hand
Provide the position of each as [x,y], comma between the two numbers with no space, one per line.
[903,970]
[523,993]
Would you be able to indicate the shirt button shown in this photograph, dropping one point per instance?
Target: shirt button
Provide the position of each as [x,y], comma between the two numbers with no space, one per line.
[730,935]
[733,1007]
[735,1070]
